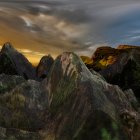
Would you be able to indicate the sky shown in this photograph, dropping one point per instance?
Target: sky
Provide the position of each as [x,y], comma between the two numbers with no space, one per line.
[40,27]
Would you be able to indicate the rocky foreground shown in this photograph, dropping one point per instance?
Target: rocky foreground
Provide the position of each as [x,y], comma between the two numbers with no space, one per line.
[63,99]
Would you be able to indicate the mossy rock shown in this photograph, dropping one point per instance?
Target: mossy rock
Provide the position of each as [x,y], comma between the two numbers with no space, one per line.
[8,82]
[24,107]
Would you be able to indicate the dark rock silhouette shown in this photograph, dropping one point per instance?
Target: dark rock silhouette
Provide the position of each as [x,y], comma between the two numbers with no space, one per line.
[44,66]
[14,63]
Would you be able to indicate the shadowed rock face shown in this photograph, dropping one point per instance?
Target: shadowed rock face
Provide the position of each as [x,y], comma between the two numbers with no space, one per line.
[9,82]
[104,56]
[44,66]
[14,63]
[83,106]
[132,99]
[24,107]
[87,61]
[125,71]
[119,66]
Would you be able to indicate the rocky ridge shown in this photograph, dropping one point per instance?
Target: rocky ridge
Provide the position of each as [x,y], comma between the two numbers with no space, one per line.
[71,102]
[14,63]
[120,66]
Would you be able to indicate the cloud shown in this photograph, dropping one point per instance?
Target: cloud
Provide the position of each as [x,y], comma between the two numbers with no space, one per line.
[89,48]
[30,52]
[55,26]
[27,21]
[76,16]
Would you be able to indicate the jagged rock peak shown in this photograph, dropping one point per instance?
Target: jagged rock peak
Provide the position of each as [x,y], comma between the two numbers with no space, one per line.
[44,66]
[7,47]
[44,58]
[13,62]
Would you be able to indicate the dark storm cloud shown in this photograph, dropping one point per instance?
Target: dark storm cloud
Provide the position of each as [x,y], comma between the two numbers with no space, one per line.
[74,25]
[13,22]
[75,16]
[35,10]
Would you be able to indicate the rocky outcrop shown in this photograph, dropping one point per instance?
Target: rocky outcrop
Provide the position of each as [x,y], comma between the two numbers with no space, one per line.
[44,66]
[24,107]
[14,63]
[84,106]
[87,61]
[105,56]
[132,99]
[125,71]
[9,82]
[120,66]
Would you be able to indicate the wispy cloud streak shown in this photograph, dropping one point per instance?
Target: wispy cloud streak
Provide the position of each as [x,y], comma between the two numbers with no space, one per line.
[54,26]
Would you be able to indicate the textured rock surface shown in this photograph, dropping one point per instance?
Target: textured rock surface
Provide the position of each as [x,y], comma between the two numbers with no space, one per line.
[125,71]
[132,99]
[8,82]
[44,66]
[83,106]
[104,56]
[14,63]
[119,66]
[87,61]
[72,103]
[15,134]
[24,107]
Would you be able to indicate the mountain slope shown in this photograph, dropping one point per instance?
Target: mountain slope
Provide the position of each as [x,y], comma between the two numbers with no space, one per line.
[79,101]
[120,66]
[14,63]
